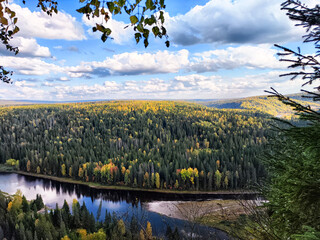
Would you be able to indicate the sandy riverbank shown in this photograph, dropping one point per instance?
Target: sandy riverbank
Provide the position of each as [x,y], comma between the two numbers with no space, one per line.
[195,210]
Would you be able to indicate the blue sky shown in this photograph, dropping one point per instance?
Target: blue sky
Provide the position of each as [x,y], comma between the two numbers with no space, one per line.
[219,49]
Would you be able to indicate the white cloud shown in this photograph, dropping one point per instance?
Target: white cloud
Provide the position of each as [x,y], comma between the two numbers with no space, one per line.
[28,47]
[194,86]
[95,91]
[64,79]
[261,57]
[29,66]
[227,21]
[39,25]
[133,63]
[24,84]
[22,90]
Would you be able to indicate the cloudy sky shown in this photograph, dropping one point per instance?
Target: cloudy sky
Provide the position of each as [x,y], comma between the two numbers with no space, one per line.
[219,49]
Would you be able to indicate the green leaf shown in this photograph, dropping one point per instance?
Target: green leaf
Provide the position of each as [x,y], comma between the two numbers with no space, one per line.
[85,9]
[167,43]
[149,4]
[134,20]
[100,28]
[108,31]
[146,43]
[95,3]
[96,12]
[121,3]
[145,33]
[161,17]
[104,37]
[155,31]
[140,27]
[162,4]
[164,31]
[137,36]
[110,6]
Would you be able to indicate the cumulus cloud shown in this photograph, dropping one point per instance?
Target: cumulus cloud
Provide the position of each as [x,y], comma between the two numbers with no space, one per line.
[161,62]
[252,57]
[133,63]
[120,33]
[227,21]
[22,90]
[39,25]
[24,84]
[29,66]
[28,47]
[85,91]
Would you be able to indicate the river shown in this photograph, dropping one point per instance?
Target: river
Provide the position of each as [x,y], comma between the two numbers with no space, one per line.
[124,203]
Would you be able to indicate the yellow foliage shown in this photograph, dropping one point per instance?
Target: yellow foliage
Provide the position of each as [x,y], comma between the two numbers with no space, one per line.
[82,233]
[149,231]
[9,206]
[142,235]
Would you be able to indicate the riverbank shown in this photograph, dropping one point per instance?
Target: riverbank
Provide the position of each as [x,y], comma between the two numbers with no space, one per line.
[198,210]
[221,214]
[192,195]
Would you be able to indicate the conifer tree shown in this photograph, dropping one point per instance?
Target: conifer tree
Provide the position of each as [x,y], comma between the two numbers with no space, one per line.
[294,196]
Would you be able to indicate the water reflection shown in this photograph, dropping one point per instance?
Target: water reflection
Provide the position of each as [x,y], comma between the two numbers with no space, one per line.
[124,203]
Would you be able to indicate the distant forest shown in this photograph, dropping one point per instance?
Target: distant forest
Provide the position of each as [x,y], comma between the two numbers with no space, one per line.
[145,144]
[263,104]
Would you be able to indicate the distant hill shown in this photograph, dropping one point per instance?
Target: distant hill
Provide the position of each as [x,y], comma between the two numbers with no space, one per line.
[4,103]
[262,103]
[7,103]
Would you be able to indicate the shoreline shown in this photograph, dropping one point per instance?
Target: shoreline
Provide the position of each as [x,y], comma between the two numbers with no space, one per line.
[195,210]
[97,186]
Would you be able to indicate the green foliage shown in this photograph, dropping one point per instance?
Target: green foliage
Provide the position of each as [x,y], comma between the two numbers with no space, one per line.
[309,234]
[141,16]
[294,199]
[13,163]
[294,191]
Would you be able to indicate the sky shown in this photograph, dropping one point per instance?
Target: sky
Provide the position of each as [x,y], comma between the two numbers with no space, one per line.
[218,49]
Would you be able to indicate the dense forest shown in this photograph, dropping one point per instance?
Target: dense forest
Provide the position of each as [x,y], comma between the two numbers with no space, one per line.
[162,145]
[263,104]
[24,220]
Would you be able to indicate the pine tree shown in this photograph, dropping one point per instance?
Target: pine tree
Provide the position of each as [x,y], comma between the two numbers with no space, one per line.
[293,194]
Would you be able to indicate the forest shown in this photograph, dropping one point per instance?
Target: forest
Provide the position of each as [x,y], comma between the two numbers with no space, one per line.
[143,144]
[27,220]
[264,104]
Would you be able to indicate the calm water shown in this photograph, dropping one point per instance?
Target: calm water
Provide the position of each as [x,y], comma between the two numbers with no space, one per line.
[125,204]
